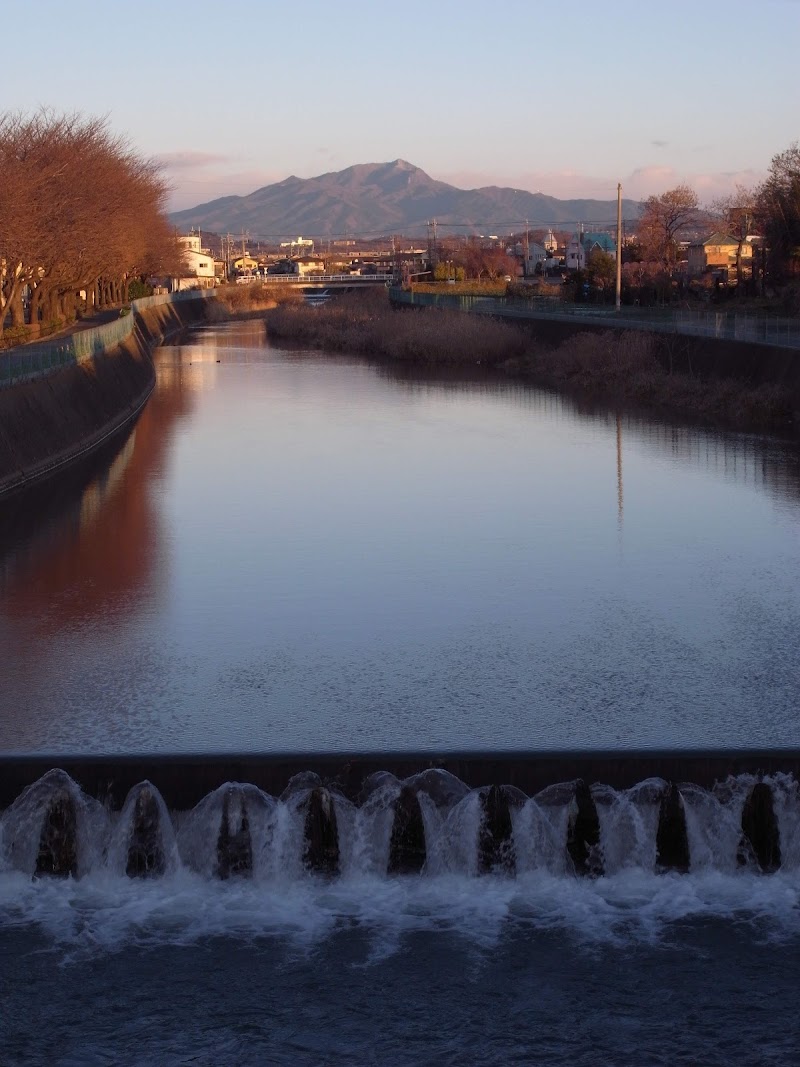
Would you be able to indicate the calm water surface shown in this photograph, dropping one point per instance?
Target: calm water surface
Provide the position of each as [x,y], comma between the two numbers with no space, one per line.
[300,552]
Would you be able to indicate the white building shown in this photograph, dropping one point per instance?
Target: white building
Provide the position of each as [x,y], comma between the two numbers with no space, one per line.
[576,254]
[537,254]
[299,246]
[198,271]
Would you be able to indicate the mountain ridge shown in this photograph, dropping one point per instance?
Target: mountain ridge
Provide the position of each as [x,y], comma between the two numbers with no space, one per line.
[391,197]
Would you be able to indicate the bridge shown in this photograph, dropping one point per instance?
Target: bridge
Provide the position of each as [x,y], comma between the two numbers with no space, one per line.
[319,281]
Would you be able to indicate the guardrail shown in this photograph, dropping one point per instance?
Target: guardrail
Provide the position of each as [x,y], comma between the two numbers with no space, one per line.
[752,327]
[33,360]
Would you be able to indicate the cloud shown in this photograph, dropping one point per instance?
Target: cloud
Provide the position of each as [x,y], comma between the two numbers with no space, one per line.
[660,144]
[709,185]
[190,188]
[190,160]
[644,181]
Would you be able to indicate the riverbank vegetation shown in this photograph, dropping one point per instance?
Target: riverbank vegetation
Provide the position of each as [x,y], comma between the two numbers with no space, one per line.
[611,366]
[81,217]
[366,324]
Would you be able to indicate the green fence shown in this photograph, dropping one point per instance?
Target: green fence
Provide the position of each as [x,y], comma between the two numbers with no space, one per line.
[32,361]
[752,327]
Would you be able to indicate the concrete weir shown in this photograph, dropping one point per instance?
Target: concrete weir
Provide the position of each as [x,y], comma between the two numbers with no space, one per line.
[406,819]
[183,780]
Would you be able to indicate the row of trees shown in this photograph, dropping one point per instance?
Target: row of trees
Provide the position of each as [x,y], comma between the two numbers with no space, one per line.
[771,210]
[80,211]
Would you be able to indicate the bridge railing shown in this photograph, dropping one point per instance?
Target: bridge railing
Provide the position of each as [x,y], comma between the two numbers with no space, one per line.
[752,327]
[315,279]
[31,361]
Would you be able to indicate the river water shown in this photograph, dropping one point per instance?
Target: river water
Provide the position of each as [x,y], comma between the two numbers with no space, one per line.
[295,552]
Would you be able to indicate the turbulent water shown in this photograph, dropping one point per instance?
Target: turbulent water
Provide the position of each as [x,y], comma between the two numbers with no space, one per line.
[186,960]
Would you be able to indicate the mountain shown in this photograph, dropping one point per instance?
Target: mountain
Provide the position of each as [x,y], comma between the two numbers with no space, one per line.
[371,199]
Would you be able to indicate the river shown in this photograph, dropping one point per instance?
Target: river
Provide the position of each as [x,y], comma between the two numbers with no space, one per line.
[294,552]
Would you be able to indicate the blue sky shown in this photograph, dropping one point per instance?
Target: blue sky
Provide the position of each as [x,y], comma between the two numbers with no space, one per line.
[566,99]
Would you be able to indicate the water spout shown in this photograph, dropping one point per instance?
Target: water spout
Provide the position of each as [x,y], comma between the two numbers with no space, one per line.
[761,837]
[583,832]
[145,851]
[407,846]
[58,842]
[234,843]
[495,837]
[321,833]
[672,840]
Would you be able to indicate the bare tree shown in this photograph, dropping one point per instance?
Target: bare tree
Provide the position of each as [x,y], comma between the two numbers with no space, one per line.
[778,208]
[737,213]
[663,219]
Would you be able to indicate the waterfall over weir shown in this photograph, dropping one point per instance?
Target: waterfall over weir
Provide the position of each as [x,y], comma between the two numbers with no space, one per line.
[429,824]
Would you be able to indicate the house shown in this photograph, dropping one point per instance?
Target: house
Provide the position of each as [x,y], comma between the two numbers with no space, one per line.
[581,245]
[245,264]
[535,259]
[602,242]
[308,265]
[719,253]
[575,258]
[198,264]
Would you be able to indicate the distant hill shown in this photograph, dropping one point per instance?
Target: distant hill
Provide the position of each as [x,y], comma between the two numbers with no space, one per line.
[383,198]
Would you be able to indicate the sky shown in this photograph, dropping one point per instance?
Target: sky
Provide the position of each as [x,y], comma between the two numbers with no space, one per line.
[564,99]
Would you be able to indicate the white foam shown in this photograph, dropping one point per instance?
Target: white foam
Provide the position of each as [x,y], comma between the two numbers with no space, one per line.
[104,911]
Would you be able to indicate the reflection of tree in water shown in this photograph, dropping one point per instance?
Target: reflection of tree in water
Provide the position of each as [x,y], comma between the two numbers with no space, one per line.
[763,462]
[90,539]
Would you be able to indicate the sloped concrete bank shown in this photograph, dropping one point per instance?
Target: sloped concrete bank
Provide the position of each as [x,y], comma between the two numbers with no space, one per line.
[52,421]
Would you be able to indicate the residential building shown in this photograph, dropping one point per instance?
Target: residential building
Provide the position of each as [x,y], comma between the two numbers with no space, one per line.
[535,258]
[718,253]
[575,258]
[581,245]
[198,270]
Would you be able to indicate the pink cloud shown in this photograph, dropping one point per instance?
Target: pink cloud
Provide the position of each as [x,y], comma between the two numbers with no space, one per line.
[199,188]
[642,182]
[188,160]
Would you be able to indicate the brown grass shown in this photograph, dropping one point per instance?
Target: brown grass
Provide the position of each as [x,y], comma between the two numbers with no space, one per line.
[466,288]
[365,323]
[625,366]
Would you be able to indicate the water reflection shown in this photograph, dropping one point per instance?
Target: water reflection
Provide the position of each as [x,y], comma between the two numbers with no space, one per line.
[91,543]
[297,550]
[756,460]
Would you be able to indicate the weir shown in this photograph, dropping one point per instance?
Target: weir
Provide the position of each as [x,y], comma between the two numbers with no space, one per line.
[426,824]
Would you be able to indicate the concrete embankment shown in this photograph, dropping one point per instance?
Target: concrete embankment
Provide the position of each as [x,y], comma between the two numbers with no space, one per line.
[49,422]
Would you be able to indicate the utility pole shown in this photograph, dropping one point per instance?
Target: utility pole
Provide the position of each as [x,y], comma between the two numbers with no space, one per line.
[527,247]
[619,246]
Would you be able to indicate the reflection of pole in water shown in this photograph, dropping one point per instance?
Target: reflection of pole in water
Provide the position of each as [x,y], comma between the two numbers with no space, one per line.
[620,502]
